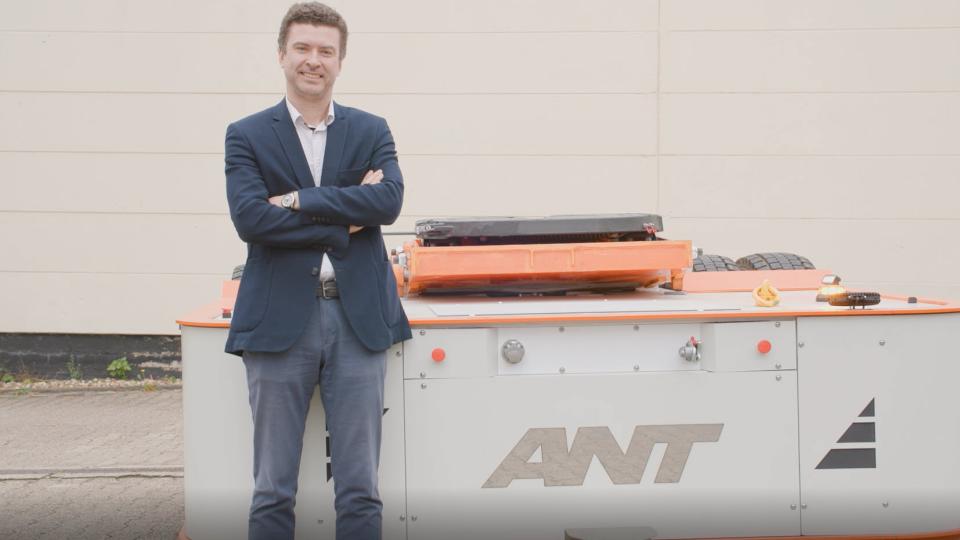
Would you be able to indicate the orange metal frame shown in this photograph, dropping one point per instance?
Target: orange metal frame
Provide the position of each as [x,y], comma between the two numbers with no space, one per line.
[647,263]
[694,282]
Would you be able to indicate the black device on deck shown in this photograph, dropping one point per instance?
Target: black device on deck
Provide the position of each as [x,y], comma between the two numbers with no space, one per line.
[545,230]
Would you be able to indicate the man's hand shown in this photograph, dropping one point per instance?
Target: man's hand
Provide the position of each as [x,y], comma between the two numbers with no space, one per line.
[371,178]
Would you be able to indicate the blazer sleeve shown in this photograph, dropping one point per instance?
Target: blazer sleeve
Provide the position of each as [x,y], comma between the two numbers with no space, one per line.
[367,205]
[256,220]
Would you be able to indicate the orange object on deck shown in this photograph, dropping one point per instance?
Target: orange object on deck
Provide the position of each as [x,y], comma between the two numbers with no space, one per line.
[645,263]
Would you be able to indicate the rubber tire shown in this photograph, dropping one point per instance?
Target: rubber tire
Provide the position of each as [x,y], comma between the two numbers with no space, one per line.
[774,261]
[714,263]
[237,271]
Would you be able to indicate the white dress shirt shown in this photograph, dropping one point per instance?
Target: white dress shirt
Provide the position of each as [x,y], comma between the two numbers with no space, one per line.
[314,142]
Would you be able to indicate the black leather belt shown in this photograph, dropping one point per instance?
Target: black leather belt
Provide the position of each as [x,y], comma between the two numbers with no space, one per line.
[327,289]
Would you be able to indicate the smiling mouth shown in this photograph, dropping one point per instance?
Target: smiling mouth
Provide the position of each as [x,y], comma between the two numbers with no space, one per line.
[311,76]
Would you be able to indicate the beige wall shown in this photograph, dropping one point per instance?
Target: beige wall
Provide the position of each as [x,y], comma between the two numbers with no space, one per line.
[830,128]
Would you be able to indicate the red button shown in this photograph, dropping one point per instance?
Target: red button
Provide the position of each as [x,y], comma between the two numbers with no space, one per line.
[438,355]
[764,346]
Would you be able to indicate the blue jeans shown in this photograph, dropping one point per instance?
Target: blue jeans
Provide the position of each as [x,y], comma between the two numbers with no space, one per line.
[351,380]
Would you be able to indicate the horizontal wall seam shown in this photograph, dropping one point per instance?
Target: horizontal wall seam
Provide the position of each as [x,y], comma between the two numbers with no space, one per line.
[116,152]
[511,93]
[499,32]
[352,32]
[813,29]
[818,219]
[150,212]
[225,273]
[413,154]
[176,214]
[402,154]
[279,95]
[112,212]
[886,154]
[802,92]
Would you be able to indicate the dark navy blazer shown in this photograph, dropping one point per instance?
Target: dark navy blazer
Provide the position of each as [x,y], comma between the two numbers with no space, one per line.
[285,248]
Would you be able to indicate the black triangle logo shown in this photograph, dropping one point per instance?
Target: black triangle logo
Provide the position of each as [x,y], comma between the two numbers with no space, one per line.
[858,432]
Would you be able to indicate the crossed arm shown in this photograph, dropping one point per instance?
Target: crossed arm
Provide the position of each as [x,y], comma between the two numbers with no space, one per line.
[322,215]
[375,201]
[369,179]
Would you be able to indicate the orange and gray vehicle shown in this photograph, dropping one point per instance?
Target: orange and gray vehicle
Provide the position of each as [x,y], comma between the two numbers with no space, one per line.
[638,391]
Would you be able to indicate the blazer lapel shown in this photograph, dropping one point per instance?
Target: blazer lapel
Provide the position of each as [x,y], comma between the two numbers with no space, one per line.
[283,126]
[336,139]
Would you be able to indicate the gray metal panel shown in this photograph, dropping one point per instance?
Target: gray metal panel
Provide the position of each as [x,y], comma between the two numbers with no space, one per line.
[732,346]
[460,432]
[908,481]
[468,352]
[218,447]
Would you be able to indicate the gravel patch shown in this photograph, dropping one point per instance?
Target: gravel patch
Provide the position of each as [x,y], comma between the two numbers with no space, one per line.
[88,385]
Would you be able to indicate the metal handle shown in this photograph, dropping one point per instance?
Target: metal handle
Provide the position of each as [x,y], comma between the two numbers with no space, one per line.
[512,351]
[691,350]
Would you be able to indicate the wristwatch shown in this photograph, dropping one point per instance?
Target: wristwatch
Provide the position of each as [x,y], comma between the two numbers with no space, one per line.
[287,200]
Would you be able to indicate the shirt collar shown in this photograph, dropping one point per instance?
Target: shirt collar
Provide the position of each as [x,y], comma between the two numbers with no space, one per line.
[298,118]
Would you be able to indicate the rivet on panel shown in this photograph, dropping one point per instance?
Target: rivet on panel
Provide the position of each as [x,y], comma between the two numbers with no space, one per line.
[423,375]
[636,368]
[399,353]
[413,518]
[883,342]
[803,506]
[778,366]
[423,332]
[792,507]
[776,324]
[636,327]
[562,329]
[403,518]
[423,386]
[779,377]
[886,504]
[800,344]
[563,370]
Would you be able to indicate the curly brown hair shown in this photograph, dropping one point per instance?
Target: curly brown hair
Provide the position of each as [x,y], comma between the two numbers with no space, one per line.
[316,14]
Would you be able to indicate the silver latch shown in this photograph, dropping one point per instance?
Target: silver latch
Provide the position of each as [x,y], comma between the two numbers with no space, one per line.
[691,350]
[512,351]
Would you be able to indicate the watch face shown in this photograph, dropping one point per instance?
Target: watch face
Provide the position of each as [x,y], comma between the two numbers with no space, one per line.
[287,200]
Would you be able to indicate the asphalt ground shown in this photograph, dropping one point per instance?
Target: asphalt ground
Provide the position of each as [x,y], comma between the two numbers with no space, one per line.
[91,465]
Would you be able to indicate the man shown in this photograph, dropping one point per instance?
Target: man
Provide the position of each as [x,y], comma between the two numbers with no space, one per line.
[309,184]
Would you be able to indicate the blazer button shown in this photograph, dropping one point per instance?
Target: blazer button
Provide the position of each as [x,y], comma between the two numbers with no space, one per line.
[314,271]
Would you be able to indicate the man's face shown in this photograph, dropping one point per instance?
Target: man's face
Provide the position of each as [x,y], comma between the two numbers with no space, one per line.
[311,60]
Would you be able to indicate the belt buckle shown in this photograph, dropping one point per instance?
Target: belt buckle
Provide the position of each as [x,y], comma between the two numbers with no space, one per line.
[328,289]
